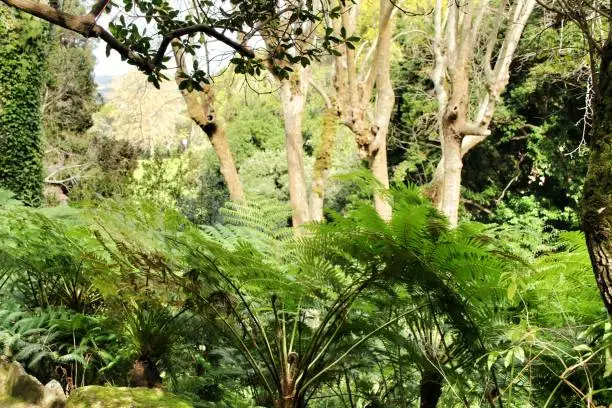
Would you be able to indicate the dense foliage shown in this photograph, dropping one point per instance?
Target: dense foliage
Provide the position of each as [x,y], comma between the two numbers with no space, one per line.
[23,50]
[360,310]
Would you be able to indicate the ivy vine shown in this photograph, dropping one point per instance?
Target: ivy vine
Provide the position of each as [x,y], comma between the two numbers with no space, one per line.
[23,45]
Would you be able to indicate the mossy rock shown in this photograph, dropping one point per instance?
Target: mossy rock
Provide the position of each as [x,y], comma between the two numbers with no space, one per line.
[9,402]
[120,397]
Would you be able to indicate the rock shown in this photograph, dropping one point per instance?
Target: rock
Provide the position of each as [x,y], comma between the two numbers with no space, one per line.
[7,402]
[15,383]
[123,397]
[26,388]
[54,395]
[4,370]
[20,390]
[13,370]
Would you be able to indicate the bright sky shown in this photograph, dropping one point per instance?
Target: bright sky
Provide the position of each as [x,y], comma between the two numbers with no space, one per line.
[108,66]
[113,66]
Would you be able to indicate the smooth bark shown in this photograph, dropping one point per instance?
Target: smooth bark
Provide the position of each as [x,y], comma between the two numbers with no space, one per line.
[293,93]
[356,85]
[454,45]
[450,193]
[385,99]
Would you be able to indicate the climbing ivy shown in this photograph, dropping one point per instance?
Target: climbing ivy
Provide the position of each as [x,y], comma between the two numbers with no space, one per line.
[23,43]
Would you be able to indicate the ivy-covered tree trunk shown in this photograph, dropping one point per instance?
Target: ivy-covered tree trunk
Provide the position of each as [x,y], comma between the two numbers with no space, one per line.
[23,43]
[597,198]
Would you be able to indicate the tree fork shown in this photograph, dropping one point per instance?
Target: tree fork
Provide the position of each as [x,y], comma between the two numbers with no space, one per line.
[200,106]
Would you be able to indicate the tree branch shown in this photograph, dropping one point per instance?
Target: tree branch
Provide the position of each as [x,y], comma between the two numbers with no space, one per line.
[86,26]
[326,98]
[98,7]
[199,28]
[474,130]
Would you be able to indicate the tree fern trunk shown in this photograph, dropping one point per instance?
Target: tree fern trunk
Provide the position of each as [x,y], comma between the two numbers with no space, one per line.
[144,373]
[431,388]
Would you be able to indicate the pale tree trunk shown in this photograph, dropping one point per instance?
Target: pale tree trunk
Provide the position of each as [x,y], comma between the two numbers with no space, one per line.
[216,134]
[293,98]
[453,128]
[356,80]
[293,92]
[597,195]
[323,163]
[385,99]
[378,166]
[453,49]
[450,195]
[200,106]
[438,78]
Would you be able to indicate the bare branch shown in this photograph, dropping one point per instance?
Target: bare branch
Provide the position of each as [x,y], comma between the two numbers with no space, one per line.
[326,98]
[474,129]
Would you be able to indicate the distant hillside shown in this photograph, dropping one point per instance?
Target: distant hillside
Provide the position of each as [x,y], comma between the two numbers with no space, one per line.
[104,85]
[135,110]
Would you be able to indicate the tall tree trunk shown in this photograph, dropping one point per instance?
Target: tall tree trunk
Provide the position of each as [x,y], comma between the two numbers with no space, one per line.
[201,109]
[323,164]
[450,195]
[378,166]
[293,99]
[203,114]
[597,195]
[453,46]
[218,139]
[431,388]
[454,124]
[385,99]
[356,91]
